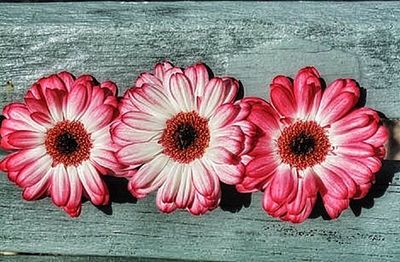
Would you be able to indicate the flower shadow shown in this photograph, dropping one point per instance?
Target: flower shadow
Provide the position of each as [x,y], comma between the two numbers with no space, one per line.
[118,189]
[383,179]
[232,200]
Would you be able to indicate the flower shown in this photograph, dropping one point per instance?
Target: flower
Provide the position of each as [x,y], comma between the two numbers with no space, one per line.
[61,139]
[313,141]
[181,132]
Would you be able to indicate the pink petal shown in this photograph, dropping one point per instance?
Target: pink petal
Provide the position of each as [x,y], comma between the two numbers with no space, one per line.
[283,100]
[150,176]
[19,113]
[148,78]
[310,183]
[229,174]
[25,139]
[336,108]
[151,101]
[42,119]
[77,101]
[93,184]
[304,214]
[362,190]
[181,93]
[73,206]
[171,185]
[202,178]
[373,163]
[139,153]
[282,184]
[98,118]
[199,78]
[54,99]
[161,68]
[359,149]
[52,82]
[234,144]
[379,138]
[32,173]
[221,155]
[68,79]
[265,117]
[270,206]
[24,157]
[307,91]
[355,135]
[36,105]
[333,183]
[123,135]
[60,187]
[282,81]
[337,100]
[196,208]
[232,87]
[37,190]
[263,166]
[298,203]
[185,193]
[251,184]
[142,121]
[164,207]
[334,206]
[106,158]
[356,169]
[224,115]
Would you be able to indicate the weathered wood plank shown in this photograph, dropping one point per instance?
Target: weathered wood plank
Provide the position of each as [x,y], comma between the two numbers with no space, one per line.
[251,41]
[61,258]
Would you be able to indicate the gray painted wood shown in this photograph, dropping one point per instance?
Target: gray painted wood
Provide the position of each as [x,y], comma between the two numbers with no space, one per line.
[251,41]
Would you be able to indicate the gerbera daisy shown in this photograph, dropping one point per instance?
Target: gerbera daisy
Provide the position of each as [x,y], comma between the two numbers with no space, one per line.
[181,132]
[314,141]
[61,140]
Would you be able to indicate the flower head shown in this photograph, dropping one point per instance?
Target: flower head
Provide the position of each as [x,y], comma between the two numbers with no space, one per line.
[314,141]
[180,131]
[61,140]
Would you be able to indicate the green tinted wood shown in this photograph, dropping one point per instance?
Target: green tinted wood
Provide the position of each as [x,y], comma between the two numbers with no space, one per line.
[251,41]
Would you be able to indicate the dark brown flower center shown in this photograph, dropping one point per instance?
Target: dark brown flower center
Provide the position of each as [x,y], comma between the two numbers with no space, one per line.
[303,144]
[185,137]
[68,143]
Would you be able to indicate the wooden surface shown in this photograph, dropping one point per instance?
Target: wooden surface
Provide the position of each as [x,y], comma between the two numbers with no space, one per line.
[252,42]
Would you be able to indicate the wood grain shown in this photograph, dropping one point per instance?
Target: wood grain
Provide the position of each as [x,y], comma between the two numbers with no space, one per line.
[252,42]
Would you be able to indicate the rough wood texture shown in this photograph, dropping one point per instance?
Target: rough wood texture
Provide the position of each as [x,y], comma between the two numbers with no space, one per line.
[251,41]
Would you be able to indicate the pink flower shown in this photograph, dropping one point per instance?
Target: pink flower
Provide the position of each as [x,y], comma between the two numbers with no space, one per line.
[183,132]
[314,141]
[61,140]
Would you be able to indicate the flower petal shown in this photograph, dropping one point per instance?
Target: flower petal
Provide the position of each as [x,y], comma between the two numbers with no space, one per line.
[139,153]
[33,172]
[283,100]
[307,92]
[24,139]
[150,176]
[73,206]
[60,187]
[181,93]
[282,184]
[92,183]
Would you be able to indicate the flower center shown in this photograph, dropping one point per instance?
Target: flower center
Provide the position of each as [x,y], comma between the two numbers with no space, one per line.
[303,144]
[68,143]
[186,137]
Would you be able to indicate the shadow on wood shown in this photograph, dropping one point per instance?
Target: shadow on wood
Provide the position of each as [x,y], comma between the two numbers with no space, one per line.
[118,189]
[232,200]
